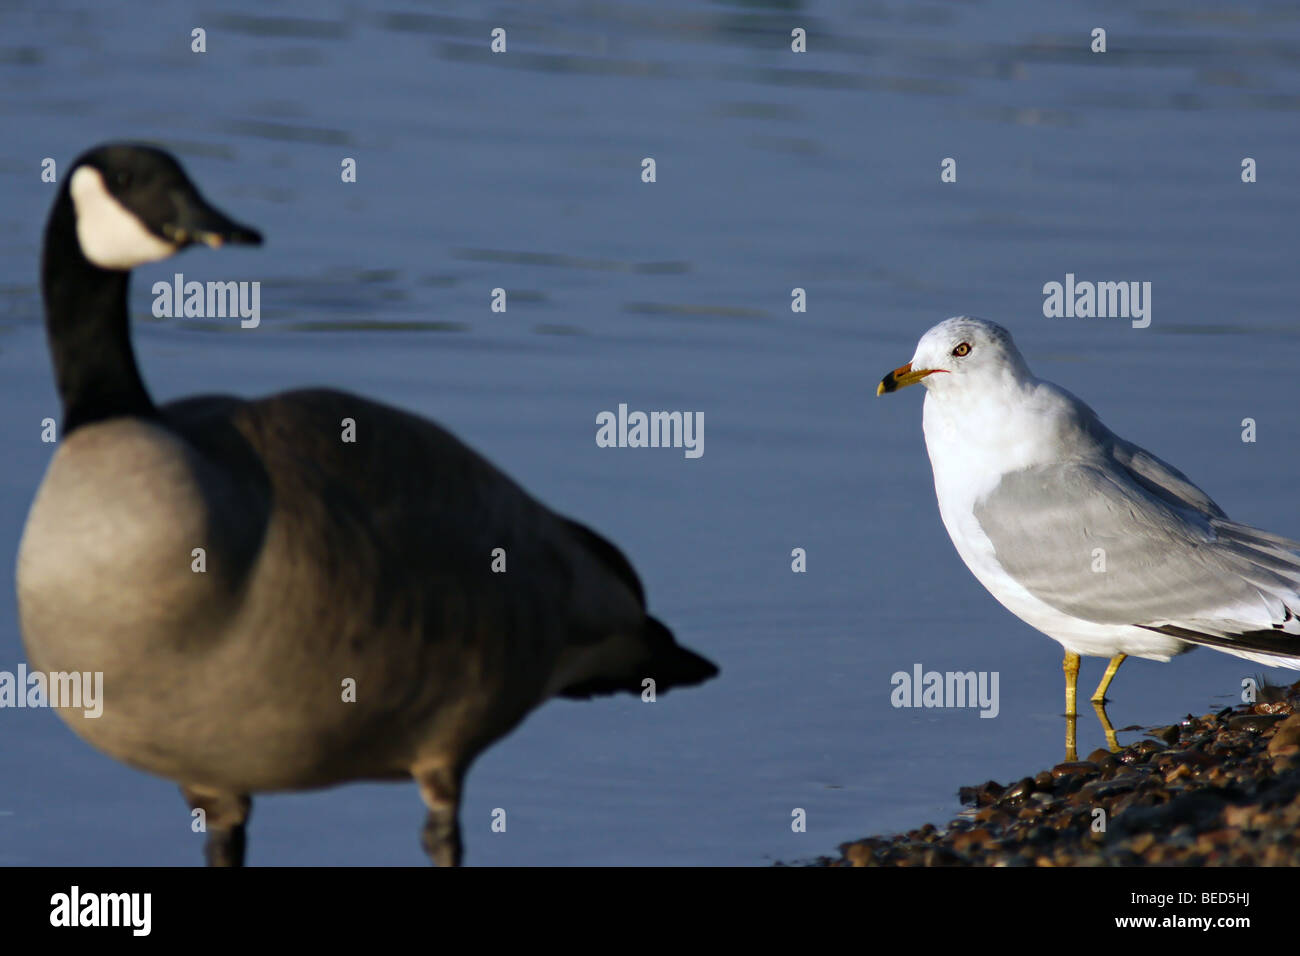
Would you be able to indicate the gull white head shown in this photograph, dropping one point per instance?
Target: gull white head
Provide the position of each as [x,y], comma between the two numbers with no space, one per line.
[959,354]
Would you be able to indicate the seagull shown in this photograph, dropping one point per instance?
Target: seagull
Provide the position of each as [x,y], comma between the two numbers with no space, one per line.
[1089,538]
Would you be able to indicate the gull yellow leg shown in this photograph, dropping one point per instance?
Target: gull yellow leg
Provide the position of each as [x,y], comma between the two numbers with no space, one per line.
[1071,668]
[1099,701]
[1099,696]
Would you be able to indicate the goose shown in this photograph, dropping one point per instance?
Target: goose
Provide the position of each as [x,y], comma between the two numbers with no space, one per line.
[345,622]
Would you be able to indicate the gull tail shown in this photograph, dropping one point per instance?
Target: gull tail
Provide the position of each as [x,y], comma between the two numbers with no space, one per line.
[1271,565]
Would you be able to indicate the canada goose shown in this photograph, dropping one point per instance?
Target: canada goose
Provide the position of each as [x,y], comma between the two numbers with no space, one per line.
[327,561]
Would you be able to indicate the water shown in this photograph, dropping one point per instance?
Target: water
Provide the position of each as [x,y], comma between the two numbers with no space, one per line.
[775,171]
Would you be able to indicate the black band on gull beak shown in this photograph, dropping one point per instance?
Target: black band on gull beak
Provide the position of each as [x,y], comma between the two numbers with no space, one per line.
[902,377]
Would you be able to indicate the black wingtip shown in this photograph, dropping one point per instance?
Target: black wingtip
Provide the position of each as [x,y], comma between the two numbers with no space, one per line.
[1275,643]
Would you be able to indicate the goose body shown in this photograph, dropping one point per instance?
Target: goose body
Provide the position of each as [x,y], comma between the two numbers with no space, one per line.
[234,566]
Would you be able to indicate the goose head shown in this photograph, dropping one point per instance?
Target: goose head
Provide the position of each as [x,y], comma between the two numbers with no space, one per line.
[134,204]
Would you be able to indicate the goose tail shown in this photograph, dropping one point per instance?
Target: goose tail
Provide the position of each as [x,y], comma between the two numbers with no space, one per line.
[671,664]
[661,660]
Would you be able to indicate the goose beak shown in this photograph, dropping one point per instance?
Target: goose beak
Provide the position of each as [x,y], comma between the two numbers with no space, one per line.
[198,221]
[902,377]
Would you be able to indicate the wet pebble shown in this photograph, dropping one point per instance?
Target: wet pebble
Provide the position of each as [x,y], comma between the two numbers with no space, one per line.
[1286,739]
[1255,723]
[1021,790]
[1220,789]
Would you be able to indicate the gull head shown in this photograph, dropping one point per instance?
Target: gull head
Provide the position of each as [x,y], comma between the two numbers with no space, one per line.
[959,354]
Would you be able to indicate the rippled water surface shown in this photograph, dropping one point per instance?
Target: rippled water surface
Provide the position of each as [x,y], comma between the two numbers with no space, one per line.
[775,171]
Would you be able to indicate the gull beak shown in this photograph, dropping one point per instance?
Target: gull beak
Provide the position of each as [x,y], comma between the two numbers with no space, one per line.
[902,377]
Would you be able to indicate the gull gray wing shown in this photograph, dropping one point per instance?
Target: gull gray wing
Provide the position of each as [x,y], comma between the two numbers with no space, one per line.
[1161,478]
[1153,474]
[1101,543]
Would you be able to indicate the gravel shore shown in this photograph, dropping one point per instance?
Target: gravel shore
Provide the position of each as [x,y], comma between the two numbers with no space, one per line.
[1217,790]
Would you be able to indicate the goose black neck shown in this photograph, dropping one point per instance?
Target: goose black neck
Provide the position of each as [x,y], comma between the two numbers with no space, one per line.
[88,328]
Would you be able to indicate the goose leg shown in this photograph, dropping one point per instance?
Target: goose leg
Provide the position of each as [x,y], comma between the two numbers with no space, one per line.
[224,816]
[440,790]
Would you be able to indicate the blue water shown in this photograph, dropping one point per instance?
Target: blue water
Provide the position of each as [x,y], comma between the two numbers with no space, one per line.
[775,171]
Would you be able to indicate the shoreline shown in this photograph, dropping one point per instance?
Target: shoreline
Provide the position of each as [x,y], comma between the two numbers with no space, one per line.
[1222,789]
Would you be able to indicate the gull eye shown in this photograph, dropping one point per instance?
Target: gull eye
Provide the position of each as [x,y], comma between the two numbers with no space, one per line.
[963,349]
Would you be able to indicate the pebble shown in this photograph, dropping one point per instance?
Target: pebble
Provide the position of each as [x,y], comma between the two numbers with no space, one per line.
[1219,789]
[1286,739]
